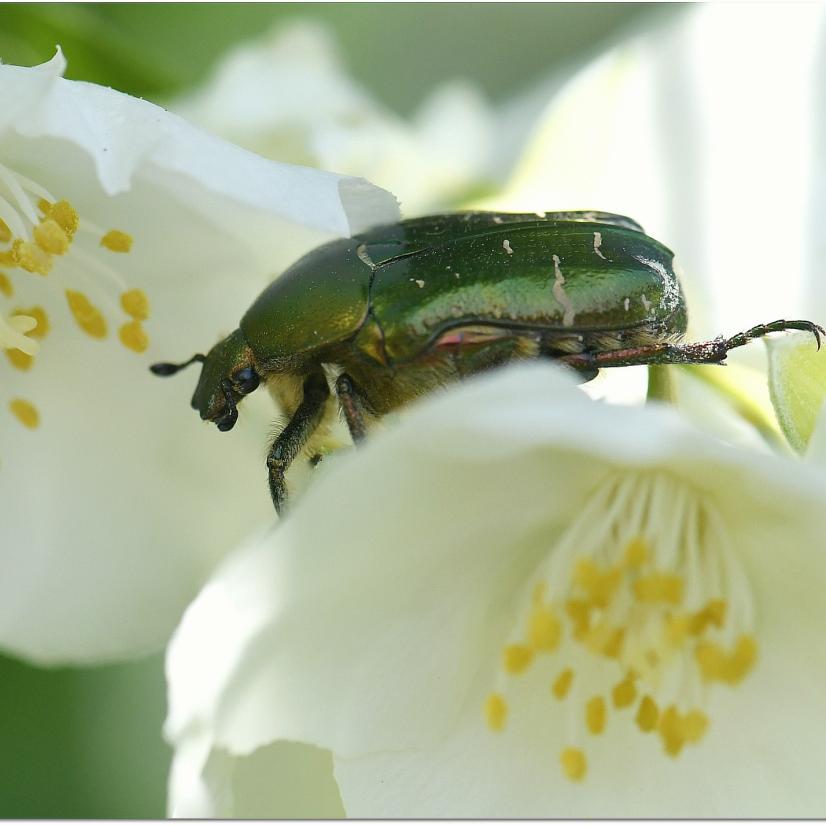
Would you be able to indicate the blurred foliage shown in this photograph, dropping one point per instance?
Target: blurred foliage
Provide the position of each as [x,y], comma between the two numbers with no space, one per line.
[82,742]
[398,50]
[86,743]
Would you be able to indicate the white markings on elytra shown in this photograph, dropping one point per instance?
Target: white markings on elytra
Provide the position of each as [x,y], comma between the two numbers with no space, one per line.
[561,295]
[361,251]
[497,219]
[645,302]
[419,283]
[670,299]
[506,245]
[598,244]
[627,304]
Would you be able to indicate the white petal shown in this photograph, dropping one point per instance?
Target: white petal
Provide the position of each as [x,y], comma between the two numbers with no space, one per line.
[121,501]
[367,630]
[797,379]
[286,780]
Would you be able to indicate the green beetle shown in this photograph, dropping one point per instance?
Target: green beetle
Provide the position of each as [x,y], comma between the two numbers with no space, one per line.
[399,310]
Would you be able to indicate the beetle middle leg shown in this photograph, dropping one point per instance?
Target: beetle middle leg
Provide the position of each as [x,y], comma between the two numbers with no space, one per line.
[702,352]
[295,435]
[353,406]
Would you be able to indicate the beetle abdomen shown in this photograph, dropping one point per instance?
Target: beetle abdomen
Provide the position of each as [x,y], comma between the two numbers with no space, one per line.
[558,278]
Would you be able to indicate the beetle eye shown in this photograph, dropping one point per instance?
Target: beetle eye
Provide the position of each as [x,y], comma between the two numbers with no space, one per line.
[246,381]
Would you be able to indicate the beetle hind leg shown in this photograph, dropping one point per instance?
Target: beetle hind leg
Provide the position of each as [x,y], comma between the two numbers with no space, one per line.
[701,352]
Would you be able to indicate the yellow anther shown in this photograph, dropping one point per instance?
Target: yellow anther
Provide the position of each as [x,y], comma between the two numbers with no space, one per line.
[116,241]
[695,725]
[51,238]
[5,232]
[659,587]
[65,216]
[6,286]
[579,612]
[562,684]
[31,257]
[605,640]
[598,585]
[496,711]
[574,764]
[714,613]
[516,659]
[21,360]
[136,304]
[44,206]
[25,413]
[87,315]
[671,731]
[595,714]
[544,629]
[7,258]
[636,553]
[133,337]
[624,693]
[718,666]
[647,715]
[677,629]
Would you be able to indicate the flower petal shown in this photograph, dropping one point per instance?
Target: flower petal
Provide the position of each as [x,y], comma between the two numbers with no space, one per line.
[797,380]
[374,629]
[117,502]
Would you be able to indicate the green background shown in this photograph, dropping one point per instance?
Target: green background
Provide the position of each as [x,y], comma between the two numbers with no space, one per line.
[86,742]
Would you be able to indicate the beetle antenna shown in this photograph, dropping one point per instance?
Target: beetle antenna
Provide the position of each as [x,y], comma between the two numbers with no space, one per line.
[165,368]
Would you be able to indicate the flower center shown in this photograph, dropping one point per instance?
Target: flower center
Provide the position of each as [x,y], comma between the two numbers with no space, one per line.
[639,608]
[41,235]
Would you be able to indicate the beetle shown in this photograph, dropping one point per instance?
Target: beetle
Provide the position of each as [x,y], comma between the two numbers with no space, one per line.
[388,315]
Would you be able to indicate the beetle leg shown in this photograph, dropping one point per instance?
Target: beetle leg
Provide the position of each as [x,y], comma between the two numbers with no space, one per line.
[295,435]
[702,352]
[352,405]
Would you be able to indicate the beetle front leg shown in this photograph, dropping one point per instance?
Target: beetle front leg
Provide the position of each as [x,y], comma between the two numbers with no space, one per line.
[295,436]
[353,406]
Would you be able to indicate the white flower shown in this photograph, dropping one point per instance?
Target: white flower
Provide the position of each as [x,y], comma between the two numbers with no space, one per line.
[288,97]
[519,603]
[128,236]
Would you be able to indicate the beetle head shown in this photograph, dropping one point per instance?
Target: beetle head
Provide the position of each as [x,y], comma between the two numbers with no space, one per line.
[227,376]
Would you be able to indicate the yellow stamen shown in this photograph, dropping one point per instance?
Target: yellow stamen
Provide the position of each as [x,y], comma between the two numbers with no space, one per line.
[516,659]
[599,585]
[133,337]
[579,612]
[544,629]
[65,216]
[496,711]
[624,693]
[695,725]
[116,241]
[574,764]
[637,553]
[8,258]
[562,684]
[6,285]
[5,232]
[671,731]
[718,666]
[21,360]
[714,613]
[31,257]
[25,413]
[51,238]
[659,587]
[647,715]
[136,304]
[88,316]
[44,206]
[595,714]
